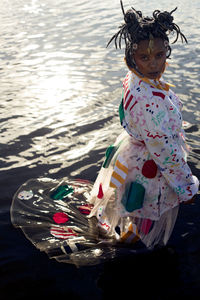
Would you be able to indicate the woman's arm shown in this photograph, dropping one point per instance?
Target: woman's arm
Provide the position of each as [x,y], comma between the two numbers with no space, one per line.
[152,122]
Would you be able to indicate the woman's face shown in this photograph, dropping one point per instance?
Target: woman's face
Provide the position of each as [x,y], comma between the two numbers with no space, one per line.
[150,57]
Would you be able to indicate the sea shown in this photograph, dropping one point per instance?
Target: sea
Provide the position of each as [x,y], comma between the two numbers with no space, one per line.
[60,88]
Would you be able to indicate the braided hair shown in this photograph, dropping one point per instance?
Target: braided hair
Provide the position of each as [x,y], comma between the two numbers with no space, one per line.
[137,28]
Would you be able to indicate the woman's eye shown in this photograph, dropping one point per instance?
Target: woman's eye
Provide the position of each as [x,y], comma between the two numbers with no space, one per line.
[159,55]
[144,58]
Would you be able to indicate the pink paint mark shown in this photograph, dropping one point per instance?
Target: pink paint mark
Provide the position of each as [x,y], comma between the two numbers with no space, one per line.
[62,233]
[173,127]
[126,94]
[154,136]
[174,155]
[137,121]
[128,102]
[189,190]
[159,94]
[140,114]
[105,225]
[146,225]
[156,154]
[135,168]
[134,104]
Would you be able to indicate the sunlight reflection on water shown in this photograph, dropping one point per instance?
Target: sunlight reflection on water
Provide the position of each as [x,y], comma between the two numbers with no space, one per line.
[60,86]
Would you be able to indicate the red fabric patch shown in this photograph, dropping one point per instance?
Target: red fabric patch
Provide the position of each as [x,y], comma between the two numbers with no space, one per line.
[100,194]
[60,217]
[149,169]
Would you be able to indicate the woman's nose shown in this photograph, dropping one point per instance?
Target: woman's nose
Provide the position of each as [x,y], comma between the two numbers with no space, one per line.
[153,63]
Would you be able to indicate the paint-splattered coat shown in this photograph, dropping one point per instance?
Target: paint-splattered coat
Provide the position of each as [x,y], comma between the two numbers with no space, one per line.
[152,115]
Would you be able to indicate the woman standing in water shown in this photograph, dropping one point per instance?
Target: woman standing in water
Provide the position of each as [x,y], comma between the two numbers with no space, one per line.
[146,175]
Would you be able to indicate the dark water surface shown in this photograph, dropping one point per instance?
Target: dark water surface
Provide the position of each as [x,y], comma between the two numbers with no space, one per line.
[59,89]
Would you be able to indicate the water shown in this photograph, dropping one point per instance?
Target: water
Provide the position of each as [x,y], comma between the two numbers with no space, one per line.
[60,88]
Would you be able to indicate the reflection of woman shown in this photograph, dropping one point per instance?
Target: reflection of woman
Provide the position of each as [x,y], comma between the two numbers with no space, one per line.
[146,175]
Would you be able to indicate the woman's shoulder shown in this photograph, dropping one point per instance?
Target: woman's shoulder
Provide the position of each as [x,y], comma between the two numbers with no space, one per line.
[174,99]
[134,85]
[137,90]
[136,93]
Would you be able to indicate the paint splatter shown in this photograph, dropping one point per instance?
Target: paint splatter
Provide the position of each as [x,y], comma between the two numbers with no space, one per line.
[60,217]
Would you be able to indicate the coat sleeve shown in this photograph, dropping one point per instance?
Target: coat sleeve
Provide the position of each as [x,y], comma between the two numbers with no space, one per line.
[149,120]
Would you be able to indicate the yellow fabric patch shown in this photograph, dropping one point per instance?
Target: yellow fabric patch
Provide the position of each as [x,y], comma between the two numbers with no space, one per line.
[131,235]
[119,174]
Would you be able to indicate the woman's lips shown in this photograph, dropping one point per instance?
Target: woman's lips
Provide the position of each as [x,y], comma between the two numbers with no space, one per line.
[154,74]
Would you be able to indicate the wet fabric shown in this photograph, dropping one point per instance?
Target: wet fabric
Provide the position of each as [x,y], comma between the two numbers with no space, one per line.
[54,216]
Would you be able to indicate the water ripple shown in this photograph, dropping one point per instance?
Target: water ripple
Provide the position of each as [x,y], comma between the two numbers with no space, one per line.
[60,86]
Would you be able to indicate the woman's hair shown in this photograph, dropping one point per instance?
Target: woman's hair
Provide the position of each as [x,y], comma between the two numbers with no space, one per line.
[137,28]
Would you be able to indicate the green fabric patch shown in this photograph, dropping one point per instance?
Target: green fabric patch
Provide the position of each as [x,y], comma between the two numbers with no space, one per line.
[61,192]
[121,112]
[109,155]
[133,197]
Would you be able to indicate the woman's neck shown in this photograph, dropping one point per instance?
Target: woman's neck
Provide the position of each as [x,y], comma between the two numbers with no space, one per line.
[154,82]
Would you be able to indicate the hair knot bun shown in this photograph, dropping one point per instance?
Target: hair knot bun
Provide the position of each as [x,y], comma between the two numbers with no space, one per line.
[164,19]
[132,20]
[137,28]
